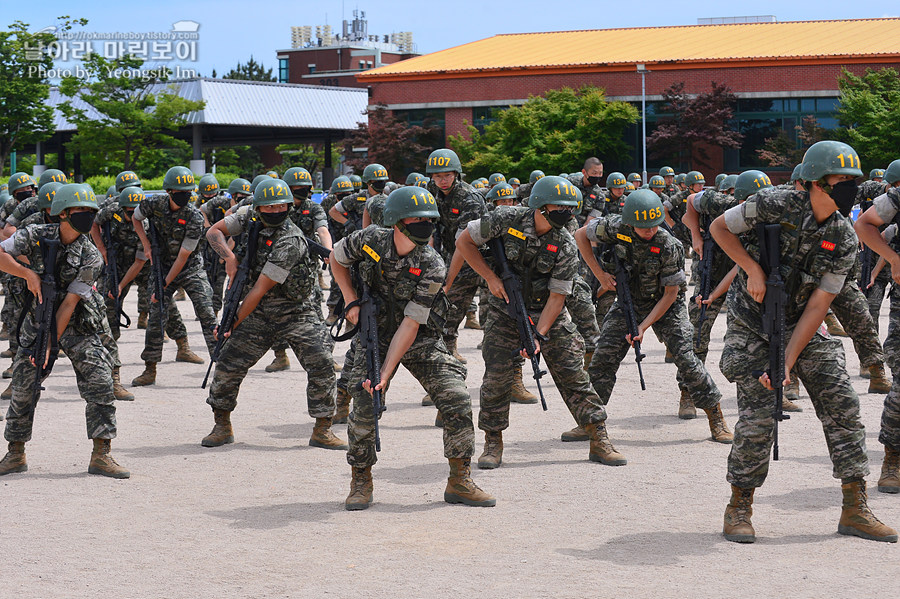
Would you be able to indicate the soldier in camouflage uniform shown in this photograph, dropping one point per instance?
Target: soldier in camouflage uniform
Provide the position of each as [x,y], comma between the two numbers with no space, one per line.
[78,314]
[876,288]
[675,208]
[817,253]
[541,252]
[588,183]
[341,188]
[350,210]
[405,276]
[525,190]
[668,175]
[179,226]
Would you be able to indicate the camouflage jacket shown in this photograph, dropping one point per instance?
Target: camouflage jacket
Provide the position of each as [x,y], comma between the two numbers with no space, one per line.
[870,190]
[308,216]
[457,208]
[177,229]
[609,204]
[128,244]
[23,210]
[352,207]
[216,208]
[712,204]
[375,208]
[591,196]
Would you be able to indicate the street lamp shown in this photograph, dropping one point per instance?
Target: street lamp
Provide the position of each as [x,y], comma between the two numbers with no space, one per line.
[642,69]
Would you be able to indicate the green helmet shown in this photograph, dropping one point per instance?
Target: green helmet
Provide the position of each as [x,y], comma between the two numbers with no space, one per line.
[629,187]
[273,174]
[409,202]
[679,179]
[667,171]
[444,160]
[719,179]
[111,192]
[423,182]
[876,173]
[643,209]
[51,175]
[534,176]
[496,179]
[829,158]
[657,182]
[239,186]
[341,184]
[179,178]
[580,205]
[257,180]
[694,177]
[501,191]
[297,176]
[795,176]
[749,182]
[209,185]
[273,191]
[632,177]
[616,180]
[130,179]
[73,195]
[477,184]
[356,181]
[374,172]
[727,183]
[413,178]
[47,193]
[553,190]
[131,197]
[19,181]
[892,172]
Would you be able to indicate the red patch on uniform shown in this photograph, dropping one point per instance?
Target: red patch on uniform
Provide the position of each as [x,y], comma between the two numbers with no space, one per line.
[593,197]
[181,221]
[306,212]
[416,271]
[827,245]
[454,210]
[268,242]
[552,248]
[653,249]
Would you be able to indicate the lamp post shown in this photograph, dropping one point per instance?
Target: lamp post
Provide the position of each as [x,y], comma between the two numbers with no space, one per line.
[642,69]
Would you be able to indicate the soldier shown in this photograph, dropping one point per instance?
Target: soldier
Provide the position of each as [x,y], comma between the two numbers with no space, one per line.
[588,183]
[675,208]
[341,188]
[21,187]
[876,174]
[350,210]
[179,226]
[655,263]
[668,175]
[719,178]
[657,185]
[635,179]
[405,274]
[542,253]
[726,185]
[614,198]
[817,252]
[77,267]
[525,190]
[357,182]
[514,183]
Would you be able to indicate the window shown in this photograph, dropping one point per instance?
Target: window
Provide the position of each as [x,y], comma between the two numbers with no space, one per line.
[312,68]
[283,70]
[482,116]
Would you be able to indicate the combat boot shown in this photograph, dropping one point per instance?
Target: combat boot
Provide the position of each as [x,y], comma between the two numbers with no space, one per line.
[686,409]
[890,472]
[878,383]
[14,460]
[280,362]
[864,373]
[222,433]
[4,333]
[7,393]
[858,520]
[576,434]
[142,320]
[7,353]
[834,327]
[332,316]
[7,374]
[103,463]
[472,321]
[518,393]
[184,353]
[737,527]
[148,377]
[790,395]
[717,425]
[342,406]
[323,437]
[602,449]
[361,488]
[462,489]
[121,393]
[492,456]
[451,345]
[427,401]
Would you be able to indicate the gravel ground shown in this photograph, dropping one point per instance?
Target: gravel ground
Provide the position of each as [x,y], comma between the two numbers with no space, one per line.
[264,517]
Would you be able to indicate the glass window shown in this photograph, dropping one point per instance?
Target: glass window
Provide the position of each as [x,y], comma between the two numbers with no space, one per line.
[758,105]
[827,122]
[282,70]
[482,116]
[808,105]
[791,105]
[755,132]
[828,104]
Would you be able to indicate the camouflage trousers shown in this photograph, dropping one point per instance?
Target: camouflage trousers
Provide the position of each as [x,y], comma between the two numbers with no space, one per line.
[217,283]
[892,341]
[317,306]
[582,311]
[875,297]
[852,310]
[444,379]
[303,330]
[564,356]
[16,291]
[197,288]
[890,418]
[175,328]
[460,297]
[822,370]
[602,306]
[712,312]
[674,328]
[93,365]
[349,357]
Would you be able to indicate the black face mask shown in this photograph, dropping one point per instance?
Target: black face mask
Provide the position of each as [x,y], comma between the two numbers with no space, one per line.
[23,194]
[273,219]
[594,180]
[181,198]
[844,195]
[419,232]
[82,221]
[54,218]
[301,193]
[378,185]
[558,218]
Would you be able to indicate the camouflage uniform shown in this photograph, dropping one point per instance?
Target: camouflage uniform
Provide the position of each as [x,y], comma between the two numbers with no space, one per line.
[12,305]
[375,208]
[875,293]
[812,256]
[591,196]
[78,267]
[851,307]
[676,207]
[179,229]
[288,312]
[406,286]
[544,264]
[653,265]
[214,209]
[579,303]
[352,207]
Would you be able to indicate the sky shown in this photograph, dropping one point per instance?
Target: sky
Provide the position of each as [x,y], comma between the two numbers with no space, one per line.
[231,31]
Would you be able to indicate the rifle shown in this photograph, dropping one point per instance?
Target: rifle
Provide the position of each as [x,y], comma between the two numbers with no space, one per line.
[866,258]
[235,292]
[45,320]
[112,273]
[211,263]
[704,269]
[773,317]
[623,296]
[319,250]
[159,278]
[517,311]
[599,250]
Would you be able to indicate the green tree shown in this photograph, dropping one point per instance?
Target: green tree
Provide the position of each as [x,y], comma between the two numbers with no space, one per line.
[252,71]
[389,142]
[869,115]
[783,151]
[25,117]
[554,133]
[133,115]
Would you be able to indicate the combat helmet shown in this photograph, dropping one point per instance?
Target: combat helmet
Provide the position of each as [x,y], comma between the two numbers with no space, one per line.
[73,195]
[271,192]
[51,175]
[444,160]
[179,178]
[643,209]
[47,193]
[829,158]
[131,197]
[749,182]
[409,202]
[128,179]
[553,190]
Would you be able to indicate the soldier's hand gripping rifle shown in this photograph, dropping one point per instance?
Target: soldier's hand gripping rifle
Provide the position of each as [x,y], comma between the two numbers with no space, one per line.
[623,296]
[156,268]
[45,320]
[517,311]
[234,294]
[704,270]
[319,250]
[866,257]
[112,273]
[773,318]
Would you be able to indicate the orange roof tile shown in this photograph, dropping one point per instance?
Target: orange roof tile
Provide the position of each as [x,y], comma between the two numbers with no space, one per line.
[662,48]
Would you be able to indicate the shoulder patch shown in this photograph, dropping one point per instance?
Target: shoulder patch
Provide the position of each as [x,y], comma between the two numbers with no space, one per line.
[181,221]
[372,253]
[624,238]
[516,233]
[117,217]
